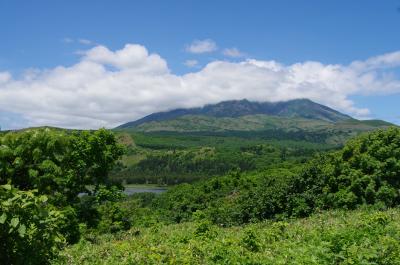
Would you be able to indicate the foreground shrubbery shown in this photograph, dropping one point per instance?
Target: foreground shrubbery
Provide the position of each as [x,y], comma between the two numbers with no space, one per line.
[335,237]
[30,229]
[42,172]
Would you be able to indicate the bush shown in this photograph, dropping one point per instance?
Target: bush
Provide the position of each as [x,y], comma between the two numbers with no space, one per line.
[56,163]
[30,228]
[365,171]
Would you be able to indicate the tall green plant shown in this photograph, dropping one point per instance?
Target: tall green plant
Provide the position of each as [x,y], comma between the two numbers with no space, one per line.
[29,227]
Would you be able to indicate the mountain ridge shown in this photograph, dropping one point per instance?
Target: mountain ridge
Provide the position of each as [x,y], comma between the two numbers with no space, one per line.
[297,108]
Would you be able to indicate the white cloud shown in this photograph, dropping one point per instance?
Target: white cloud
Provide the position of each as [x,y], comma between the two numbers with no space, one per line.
[85,41]
[67,40]
[4,77]
[202,46]
[80,41]
[133,57]
[191,63]
[107,88]
[233,52]
[387,60]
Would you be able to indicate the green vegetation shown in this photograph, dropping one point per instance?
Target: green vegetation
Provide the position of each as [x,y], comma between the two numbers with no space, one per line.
[365,171]
[298,109]
[334,237]
[187,145]
[172,158]
[255,200]
[30,228]
[42,172]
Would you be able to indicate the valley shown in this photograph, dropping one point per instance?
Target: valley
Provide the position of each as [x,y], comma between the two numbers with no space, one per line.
[209,189]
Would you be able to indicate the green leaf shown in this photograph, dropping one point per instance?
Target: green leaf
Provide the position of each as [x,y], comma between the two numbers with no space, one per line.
[22,230]
[7,186]
[26,204]
[6,203]
[3,218]
[14,222]
[43,198]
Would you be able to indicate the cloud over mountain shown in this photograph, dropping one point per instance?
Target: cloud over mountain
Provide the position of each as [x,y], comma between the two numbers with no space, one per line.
[107,88]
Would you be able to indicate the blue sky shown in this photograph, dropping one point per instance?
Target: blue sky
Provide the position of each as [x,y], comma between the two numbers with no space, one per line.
[38,37]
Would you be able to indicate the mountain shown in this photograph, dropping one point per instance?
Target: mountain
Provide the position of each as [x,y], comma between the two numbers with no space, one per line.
[299,119]
[298,108]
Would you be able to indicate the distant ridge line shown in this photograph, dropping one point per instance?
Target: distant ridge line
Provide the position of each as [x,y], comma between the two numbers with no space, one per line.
[296,108]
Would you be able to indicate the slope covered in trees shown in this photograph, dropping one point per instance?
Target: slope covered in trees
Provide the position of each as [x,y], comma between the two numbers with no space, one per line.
[215,216]
[349,198]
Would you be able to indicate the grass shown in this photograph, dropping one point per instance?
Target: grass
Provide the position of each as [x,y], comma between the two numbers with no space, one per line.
[335,237]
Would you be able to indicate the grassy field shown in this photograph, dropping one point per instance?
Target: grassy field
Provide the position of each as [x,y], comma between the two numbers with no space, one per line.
[336,237]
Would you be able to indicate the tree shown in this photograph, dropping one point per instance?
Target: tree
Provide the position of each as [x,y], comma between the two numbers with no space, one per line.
[57,163]
[365,171]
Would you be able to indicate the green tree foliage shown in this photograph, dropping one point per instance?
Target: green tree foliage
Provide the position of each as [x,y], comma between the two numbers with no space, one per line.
[43,171]
[183,166]
[57,163]
[365,171]
[29,227]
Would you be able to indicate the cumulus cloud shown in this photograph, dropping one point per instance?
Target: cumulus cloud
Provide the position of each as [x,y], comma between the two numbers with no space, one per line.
[191,63]
[132,57]
[202,46]
[107,88]
[233,52]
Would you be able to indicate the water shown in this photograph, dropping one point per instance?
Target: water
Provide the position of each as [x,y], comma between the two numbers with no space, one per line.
[132,190]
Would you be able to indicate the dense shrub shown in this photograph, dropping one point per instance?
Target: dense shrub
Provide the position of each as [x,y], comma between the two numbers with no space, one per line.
[43,171]
[365,171]
[57,163]
[30,228]
[363,236]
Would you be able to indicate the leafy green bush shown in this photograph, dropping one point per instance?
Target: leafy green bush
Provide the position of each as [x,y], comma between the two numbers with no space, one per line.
[365,171]
[57,163]
[30,228]
[43,171]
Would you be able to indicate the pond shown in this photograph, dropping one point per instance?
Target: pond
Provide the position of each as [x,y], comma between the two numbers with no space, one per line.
[129,190]
[132,189]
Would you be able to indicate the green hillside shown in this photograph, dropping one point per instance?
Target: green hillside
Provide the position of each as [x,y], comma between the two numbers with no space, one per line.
[299,119]
[338,208]
[192,147]
[260,122]
[279,203]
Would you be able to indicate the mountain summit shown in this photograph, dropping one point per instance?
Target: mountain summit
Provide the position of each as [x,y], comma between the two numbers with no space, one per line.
[298,108]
